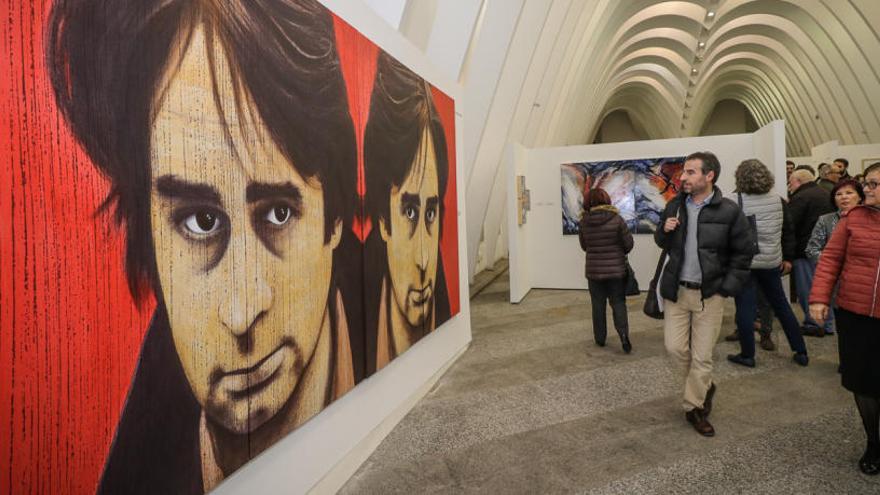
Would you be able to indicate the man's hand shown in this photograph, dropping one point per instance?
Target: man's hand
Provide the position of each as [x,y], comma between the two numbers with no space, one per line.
[670,225]
[819,312]
[785,267]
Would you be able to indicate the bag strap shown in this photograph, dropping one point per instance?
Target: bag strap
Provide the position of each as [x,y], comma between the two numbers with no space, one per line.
[739,199]
[663,253]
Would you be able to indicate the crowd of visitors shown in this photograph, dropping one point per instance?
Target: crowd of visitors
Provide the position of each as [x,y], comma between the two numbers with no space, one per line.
[826,233]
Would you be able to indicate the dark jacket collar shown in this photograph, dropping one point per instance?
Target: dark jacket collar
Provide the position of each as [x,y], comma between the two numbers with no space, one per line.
[717,196]
[804,187]
[156,449]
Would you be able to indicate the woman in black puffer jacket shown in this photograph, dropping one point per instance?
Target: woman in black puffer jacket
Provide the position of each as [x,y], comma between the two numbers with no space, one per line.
[606,239]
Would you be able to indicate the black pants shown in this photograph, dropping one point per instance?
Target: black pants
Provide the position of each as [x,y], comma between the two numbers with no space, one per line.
[608,290]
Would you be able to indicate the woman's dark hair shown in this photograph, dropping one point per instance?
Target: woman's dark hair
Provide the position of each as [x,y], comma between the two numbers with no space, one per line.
[596,197]
[847,183]
[401,109]
[108,61]
[753,177]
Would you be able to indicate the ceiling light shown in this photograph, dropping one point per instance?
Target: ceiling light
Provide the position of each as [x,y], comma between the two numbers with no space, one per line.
[693,71]
[710,14]
[702,44]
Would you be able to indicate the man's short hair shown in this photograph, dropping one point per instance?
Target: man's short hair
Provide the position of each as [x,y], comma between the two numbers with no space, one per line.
[808,168]
[874,167]
[824,168]
[789,162]
[709,163]
[108,60]
[401,108]
[803,175]
[844,161]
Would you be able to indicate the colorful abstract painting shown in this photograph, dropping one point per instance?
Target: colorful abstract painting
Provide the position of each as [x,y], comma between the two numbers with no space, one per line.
[218,217]
[639,189]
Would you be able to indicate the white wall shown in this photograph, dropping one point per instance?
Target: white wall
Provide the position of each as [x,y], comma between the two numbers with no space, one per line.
[859,155]
[544,258]
[390,10]
[323,453]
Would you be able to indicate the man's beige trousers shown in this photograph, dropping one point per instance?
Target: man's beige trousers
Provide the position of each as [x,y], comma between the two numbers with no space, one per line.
[691,327]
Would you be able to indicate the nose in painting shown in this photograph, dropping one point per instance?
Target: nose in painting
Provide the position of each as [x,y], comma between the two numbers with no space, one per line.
[248,296]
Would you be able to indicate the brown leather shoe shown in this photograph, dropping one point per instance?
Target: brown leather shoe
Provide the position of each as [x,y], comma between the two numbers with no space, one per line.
[697,418]
[767,342]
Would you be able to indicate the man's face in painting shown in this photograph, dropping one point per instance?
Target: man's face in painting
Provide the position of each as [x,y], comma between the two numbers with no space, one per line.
[414,236]
[240,252]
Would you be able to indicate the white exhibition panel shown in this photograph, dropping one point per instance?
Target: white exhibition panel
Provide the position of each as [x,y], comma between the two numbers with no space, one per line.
[859,155]
[542,257]
[324,452]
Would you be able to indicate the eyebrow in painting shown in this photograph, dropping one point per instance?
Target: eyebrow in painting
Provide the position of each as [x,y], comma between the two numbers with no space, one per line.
[174,187]
[432,201]
[410,199]
[259,191]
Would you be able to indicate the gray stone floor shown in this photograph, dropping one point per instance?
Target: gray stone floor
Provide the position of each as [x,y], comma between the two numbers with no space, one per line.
[534,406]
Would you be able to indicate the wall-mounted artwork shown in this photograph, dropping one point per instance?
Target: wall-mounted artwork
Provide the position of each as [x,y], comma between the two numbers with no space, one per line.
[218,218]
[523,200]
[639,189]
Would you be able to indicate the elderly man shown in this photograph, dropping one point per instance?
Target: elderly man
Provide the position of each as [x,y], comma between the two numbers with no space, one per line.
[829,175]
[808,202]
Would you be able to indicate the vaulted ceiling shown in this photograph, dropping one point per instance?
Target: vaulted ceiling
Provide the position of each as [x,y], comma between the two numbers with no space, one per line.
[547,73]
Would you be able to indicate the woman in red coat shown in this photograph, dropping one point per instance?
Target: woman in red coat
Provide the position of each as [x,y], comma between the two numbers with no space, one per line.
[853,255]
[606,239]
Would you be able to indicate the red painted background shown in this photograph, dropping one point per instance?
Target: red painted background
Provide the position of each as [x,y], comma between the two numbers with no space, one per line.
[69,332]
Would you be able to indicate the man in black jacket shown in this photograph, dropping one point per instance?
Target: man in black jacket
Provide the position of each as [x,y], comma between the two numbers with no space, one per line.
[808,202]
[709,247]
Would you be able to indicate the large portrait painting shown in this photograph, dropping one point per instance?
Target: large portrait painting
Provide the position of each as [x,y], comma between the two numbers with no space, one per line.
[639,189]
[218,218]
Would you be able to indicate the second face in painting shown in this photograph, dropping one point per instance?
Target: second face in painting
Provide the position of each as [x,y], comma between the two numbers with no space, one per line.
[406,168]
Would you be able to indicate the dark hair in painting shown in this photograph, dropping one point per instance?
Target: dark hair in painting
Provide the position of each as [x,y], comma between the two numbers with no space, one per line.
[401,109]
[108,60]
[596,197]
[709,163]
[753,177]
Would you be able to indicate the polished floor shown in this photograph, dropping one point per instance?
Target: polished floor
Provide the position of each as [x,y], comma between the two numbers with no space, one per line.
[534,406]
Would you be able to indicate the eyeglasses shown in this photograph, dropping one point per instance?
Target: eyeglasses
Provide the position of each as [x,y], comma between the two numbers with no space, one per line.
[872,184]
